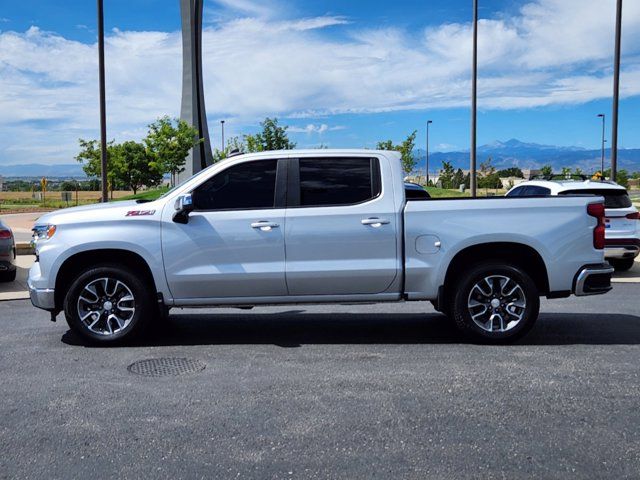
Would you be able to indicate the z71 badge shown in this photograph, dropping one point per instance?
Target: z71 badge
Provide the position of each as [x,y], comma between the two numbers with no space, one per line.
[139,213]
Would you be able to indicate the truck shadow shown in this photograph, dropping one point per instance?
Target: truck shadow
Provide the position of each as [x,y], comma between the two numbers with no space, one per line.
[290,329]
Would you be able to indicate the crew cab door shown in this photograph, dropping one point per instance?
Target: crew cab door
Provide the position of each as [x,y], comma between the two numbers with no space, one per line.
[233,244]
[341,227]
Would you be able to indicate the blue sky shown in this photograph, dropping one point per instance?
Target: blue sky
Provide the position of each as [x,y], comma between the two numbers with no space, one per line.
[341,74]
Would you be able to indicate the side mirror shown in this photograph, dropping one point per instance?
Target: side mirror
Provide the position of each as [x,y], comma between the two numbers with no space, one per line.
[183,206]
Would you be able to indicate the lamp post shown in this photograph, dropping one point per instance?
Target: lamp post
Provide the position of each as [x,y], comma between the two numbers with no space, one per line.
[474,95]
[429,122]
[601,115]
[103,113]
[222,127]
[616,93]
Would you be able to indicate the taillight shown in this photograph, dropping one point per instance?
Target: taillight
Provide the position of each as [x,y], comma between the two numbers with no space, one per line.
[634,216]
[597,210]
[5,234]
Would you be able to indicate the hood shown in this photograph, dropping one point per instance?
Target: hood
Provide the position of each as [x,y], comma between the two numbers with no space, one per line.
[94,212]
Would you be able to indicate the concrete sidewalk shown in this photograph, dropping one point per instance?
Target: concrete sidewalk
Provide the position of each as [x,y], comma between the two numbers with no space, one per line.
[18,290]
[21,224]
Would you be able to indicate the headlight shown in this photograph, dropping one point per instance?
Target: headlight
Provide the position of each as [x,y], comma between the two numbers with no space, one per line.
[42,232]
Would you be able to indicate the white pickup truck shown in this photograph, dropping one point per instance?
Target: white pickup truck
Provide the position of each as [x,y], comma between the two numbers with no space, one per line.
[312,226]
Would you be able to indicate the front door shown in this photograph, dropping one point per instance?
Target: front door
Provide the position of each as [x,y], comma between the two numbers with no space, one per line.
[341,227]
[233,244]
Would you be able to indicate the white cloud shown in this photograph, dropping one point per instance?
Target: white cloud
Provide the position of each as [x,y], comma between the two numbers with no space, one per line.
[256,63]
[312,128]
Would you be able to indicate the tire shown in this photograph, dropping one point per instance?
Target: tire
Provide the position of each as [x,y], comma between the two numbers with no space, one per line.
[622,264]
[495,303]
[8,276]
[109,305]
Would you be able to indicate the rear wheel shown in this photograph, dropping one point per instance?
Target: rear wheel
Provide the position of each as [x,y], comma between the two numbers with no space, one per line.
[108,304]
[622,264]
[495,303]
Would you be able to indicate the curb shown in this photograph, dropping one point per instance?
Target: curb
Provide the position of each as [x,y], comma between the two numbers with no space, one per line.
[24,248]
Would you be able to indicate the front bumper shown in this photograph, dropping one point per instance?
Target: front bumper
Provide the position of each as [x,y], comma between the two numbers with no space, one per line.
[42,297]
[622,248]
[593,280]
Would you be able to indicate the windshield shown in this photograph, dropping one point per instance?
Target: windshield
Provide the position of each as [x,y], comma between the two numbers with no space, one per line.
[613,198]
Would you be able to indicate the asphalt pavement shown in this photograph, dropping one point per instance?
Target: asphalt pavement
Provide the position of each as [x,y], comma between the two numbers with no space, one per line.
[369,391]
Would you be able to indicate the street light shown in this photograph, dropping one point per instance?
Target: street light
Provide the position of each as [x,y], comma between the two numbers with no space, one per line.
[429,122]
[222,126]
[616,93]
[103,113]
[474,96]
[601,115]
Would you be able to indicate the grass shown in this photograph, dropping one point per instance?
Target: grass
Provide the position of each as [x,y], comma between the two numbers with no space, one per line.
[436,192]
[15,202]
[146,195]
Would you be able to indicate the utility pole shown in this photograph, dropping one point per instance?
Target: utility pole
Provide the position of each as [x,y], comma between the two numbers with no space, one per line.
[222,125]
[429,122]
[103,108]
[601,115]
[616,93]
[474,96]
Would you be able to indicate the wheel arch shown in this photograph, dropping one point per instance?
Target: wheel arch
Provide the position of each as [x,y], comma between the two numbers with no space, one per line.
[517,254]
[77,262]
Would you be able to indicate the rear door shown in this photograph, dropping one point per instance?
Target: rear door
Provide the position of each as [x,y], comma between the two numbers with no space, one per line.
[341,227]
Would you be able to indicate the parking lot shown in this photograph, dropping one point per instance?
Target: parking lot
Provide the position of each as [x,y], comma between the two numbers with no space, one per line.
[375,391]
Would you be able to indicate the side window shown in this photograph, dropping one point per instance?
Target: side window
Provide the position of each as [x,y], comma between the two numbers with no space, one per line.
[535,191]
[338,181]
[246,186]
[516,192]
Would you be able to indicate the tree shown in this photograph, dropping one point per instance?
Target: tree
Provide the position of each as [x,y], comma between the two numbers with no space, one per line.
[91,158]
[68,186]
[233,144]
[622,178]
[406,151]
[546,171]
[487,175]
[566,172]
[272,137]
[168,142]
[458,179]
[578,171]
[446,175]
[135,167]
[511,172]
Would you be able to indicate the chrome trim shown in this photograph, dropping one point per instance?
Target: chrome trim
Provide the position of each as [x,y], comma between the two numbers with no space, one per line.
[621,251]
[43,298]
[585,273]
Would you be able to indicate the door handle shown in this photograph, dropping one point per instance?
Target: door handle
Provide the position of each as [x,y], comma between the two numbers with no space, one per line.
[264,225]
[374,222]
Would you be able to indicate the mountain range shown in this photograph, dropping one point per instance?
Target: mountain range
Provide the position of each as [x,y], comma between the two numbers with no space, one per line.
[512,153]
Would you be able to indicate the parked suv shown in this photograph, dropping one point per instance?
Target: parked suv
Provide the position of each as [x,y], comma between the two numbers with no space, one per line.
[7,254]
[622,222]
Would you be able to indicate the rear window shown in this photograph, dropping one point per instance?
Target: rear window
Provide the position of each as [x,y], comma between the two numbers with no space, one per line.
[617,198]
[338,181]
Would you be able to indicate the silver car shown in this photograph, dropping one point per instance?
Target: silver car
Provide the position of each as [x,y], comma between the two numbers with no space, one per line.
[7,254]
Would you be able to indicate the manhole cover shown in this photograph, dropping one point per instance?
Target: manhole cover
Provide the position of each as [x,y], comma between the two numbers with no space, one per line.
[165,367]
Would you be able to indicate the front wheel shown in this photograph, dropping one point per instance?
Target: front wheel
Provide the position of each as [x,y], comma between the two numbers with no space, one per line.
[495,303]
[108,304]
